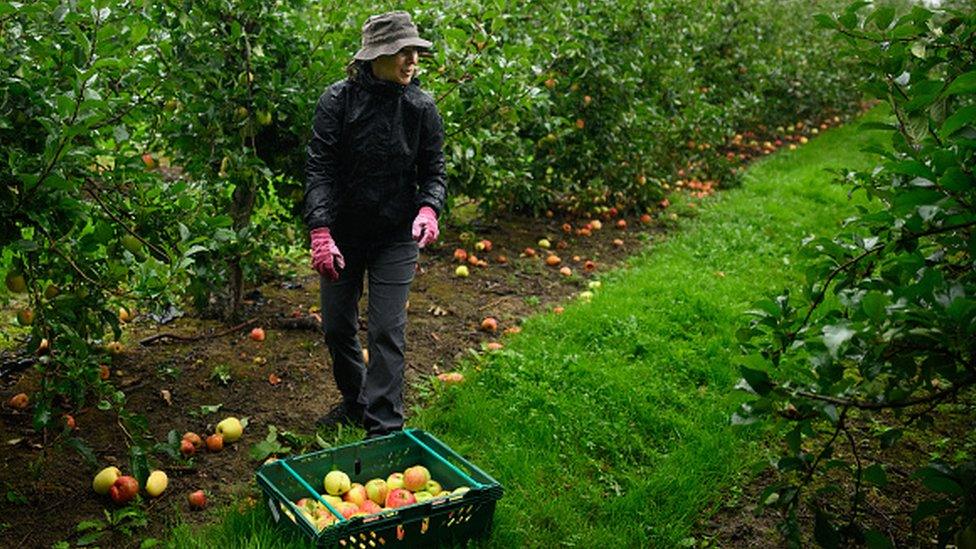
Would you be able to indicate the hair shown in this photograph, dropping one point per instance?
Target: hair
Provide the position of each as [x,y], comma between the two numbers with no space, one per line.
[355,67]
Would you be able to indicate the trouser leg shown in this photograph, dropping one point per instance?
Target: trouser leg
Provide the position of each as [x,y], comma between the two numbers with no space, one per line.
[391,270]
[340,321]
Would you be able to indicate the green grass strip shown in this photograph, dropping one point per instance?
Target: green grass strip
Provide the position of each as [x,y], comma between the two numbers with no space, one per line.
[608,425]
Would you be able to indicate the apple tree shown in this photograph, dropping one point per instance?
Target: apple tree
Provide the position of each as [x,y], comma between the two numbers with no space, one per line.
[885,322]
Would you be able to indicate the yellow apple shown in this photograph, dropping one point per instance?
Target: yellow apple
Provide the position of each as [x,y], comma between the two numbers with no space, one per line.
[231,429]
[105,479]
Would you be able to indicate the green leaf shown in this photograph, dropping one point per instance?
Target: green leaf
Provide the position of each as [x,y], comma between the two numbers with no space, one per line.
[139,463]
[824,531]
[91,524]
[757,379]
[963,84]
[943,485]
[877,540]
[874,304]
[83,449]
[959,119]
[89,539]
[928,508]
[875,474]
[883,16]
[877,126]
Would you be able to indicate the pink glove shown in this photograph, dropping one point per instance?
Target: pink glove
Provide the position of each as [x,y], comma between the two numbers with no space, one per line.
[425,226]
[326,257]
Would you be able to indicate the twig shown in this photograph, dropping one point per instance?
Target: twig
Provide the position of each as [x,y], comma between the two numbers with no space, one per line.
[857,479]
[151,339]
[118,420]
[122,224]
[861,405]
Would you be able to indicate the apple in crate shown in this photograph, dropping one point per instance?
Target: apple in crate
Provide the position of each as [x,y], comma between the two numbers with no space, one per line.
[370,507]
[336,483]
[415,478]
[356,494]
[400,497]
[394,481]
[433,487]
[377,490]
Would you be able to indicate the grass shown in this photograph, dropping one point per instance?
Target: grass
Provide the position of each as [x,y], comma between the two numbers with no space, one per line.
[608,425]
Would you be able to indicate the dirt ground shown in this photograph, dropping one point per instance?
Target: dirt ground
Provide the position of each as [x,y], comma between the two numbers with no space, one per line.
[47,485]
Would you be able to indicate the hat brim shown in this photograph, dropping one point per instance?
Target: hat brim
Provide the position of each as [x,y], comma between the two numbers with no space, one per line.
[372,52]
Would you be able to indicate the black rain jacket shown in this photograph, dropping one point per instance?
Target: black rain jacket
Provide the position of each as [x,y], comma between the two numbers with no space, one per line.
[375,158]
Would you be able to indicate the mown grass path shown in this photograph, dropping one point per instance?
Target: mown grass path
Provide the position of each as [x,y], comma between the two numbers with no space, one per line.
[608,425]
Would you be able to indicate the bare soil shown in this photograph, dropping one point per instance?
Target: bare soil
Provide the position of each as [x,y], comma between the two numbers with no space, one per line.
[46,485]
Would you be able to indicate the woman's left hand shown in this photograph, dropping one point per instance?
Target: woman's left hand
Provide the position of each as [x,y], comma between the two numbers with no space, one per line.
[425,226]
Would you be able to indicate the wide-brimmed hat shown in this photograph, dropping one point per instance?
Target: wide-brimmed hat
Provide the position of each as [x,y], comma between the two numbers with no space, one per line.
[388,33]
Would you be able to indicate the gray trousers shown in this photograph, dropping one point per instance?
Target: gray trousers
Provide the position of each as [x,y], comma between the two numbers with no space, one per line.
[376,389]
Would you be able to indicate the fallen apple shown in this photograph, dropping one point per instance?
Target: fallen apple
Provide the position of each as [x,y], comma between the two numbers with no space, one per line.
[621,224]
[460,254]
[231,429]
[461,271]
[69,422]
[124,315]
[544,243]
[215,442]
[617,242]
[529,252]
[489,324]
[105,479]
[336,483]
[596,225]
[198,500]
[156,483]
[566,271]
[193,438]
[19,401]
[552,260]
[103,372]
[645,218]
[589,266]
[257,334]
[187,448]
[494,346]
[123,489]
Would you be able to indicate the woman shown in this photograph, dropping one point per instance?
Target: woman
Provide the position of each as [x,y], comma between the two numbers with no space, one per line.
[375,184]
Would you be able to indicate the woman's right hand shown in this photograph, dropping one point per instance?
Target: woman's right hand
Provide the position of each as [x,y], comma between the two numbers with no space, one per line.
[326,257]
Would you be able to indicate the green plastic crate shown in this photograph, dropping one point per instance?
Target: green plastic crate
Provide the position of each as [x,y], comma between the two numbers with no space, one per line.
[452,519]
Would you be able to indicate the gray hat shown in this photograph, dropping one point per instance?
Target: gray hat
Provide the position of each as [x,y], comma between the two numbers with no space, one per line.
[388,33]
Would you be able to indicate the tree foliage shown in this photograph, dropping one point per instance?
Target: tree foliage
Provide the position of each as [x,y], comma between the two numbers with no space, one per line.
[886,317]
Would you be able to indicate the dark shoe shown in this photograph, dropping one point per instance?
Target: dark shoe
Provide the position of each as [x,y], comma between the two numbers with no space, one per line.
[341,414]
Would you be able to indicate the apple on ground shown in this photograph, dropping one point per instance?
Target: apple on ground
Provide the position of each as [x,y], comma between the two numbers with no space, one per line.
[461,271]
[377,490]
[69,421]
[336,483]
[123,489]
[257,334]
[231,429]
[400,497]
[187,448]
[193,438]
[489,324]
[415,478]
[156,483]
[19,401]
[198,500]
[105,479]
[215,442]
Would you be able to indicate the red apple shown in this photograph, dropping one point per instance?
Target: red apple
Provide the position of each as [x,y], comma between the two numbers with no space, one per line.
[400,497]
[123,489]
[415,478]
[489,324]
[193,438]
[187,448]
[198,500]
[460,254]
[377,490]
[370,507]
[257,334]
[69,421]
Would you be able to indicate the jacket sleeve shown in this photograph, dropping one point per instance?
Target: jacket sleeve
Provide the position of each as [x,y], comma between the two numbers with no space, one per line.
[431,173]
[321,163]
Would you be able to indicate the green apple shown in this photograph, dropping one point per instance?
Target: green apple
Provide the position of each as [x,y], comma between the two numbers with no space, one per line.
[16,282]
[231,429]
[336,483]
[433,487]
[376,490]
[423,495]
[104,479]
[394,481]
[461,271]
[460,490]
[132,244]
